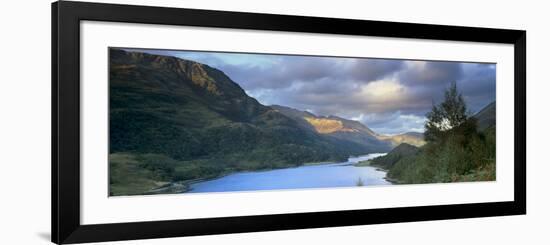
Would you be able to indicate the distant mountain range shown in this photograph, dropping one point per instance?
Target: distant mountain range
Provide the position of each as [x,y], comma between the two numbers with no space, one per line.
[412,138]
[350,130]
[189,111]
[339,128]
[185,109]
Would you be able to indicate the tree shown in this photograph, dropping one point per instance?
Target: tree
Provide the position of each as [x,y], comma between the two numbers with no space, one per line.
[447,115]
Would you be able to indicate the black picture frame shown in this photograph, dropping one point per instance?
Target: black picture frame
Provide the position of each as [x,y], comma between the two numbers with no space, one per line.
[65,167]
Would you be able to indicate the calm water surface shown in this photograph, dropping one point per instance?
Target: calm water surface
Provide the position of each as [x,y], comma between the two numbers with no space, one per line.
[342,174]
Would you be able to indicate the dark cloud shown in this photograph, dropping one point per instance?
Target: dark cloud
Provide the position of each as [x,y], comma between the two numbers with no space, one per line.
[372,69]
[310,69]
[393,101]
[327,86]
[431,73]
[287,71]
[478,85]
[390,96]
[394,123]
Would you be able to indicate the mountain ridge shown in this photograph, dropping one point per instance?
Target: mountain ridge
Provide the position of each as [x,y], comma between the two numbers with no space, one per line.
[336,127]
[172,119]
[486,117]
[185,83]
[346,128]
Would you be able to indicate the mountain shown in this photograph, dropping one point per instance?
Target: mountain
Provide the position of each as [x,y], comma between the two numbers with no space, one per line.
[401,151]
[337,127]
[486,117]
[350,130]
[188,110]
[175,119]
[296,115]
[412,138]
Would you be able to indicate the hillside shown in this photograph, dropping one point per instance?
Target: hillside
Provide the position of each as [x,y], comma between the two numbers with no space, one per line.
[401,151]
[463,153]
[338,128]
[411,138]
[350,130]
[175,119]
[486,117]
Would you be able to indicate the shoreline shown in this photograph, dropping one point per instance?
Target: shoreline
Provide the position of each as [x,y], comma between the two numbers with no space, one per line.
[392,181]
[185,185]
[381,169]
[177,187]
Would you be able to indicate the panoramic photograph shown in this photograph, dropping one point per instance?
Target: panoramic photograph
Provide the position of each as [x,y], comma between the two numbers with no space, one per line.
[185,121]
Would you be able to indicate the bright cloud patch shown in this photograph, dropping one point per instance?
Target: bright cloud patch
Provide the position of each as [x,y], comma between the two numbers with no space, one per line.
[390,96]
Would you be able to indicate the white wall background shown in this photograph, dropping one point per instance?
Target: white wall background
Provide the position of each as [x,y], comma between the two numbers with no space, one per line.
[25,121]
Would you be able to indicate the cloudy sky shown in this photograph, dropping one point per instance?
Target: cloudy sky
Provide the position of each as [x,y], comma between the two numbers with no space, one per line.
[389,96]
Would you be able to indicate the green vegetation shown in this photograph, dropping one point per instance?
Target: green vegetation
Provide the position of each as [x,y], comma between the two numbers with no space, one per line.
[455,150]
[363,163]
[460,155]
[127,175]
[134,173]
[387,161]
[486,117]
[178,120]
[175,121]
[338,128]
